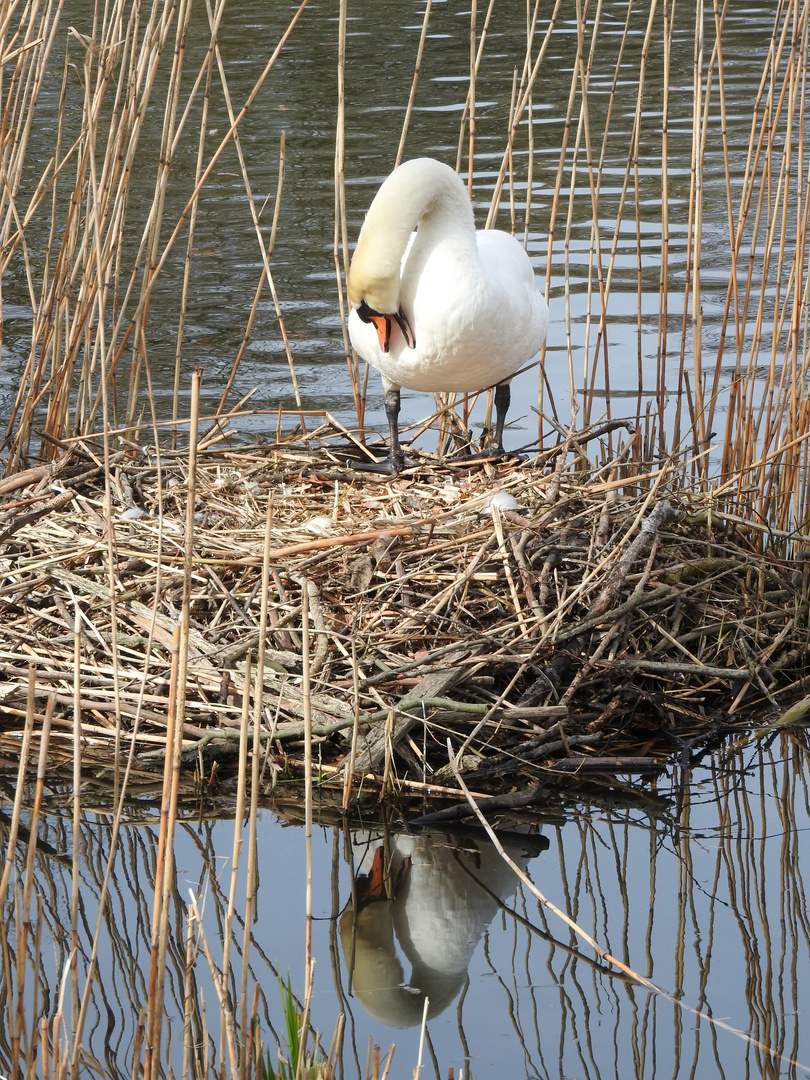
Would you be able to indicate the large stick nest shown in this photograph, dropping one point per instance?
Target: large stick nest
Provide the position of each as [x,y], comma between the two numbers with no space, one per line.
[543,618]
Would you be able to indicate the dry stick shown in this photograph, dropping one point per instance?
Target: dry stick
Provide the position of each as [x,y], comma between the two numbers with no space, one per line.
[693,241]
[252,884]
[238,824]
[153,1047]
[303,1029]
[471,98]
[423,1030]
[151,235]
[636,153]
[251,888]
[750,423]
[412,95]
[28,882]
[600,952]
[706,403]
[77,806]
[305,689]
[799,307]
[108,512]
[555,199]
[738,412]
[583,129]
[190,244]
[732,291]
[349,773]
[220,985]
[777,212]
[260,284]
[507,569]
[30,714]
[160,862]
[516,118]
[340,240]
[605,278]
[188,1001]
[466,109]
[530,31]
[251,203]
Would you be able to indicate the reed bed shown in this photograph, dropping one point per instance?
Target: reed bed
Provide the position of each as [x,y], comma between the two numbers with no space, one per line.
[545,616]
[519,609]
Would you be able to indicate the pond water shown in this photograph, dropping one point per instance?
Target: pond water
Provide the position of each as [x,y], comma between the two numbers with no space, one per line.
[299,99]
[696,882]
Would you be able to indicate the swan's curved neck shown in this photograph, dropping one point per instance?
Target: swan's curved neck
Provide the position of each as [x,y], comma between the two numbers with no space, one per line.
[421,192]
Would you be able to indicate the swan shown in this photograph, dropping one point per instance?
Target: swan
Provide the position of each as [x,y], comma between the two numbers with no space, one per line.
[446,308]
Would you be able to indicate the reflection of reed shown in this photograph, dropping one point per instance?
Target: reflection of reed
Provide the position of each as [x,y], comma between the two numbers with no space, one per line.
[718,917]
[116,1020]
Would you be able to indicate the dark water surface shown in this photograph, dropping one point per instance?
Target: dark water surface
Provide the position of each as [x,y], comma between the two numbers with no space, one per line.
[300,100]
[697,884]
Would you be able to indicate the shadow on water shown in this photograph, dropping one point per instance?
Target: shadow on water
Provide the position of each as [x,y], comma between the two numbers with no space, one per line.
[704,895]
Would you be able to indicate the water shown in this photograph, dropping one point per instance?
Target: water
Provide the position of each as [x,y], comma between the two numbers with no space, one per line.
[299,99]
[696,882]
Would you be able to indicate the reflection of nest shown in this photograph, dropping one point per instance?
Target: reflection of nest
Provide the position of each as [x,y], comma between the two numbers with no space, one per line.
[581,621]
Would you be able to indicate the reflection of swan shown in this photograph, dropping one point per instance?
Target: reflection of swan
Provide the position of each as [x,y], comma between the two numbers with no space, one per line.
[443,309]
[433,897]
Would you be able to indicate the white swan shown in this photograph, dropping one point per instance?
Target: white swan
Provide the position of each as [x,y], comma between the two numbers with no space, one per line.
[446,308]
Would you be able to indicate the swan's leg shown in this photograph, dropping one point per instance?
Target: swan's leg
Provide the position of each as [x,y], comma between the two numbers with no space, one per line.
[396,460]
[503,395]
[392,407]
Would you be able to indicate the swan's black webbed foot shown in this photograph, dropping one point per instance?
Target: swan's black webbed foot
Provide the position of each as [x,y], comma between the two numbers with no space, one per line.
[397,460]
[387,466]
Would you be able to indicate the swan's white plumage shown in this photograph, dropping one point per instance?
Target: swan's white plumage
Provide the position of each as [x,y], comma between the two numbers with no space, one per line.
[470,297]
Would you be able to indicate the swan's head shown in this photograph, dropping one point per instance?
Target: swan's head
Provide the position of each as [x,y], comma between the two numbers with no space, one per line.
[373,289]
[374,277]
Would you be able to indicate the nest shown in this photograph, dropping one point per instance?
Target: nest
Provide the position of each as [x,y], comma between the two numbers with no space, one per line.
[541,619]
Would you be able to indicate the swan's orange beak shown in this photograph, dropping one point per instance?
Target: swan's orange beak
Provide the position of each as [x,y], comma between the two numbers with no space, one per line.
[383,324]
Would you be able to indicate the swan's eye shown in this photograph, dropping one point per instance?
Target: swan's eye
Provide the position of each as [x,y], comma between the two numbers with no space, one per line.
[366,313]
